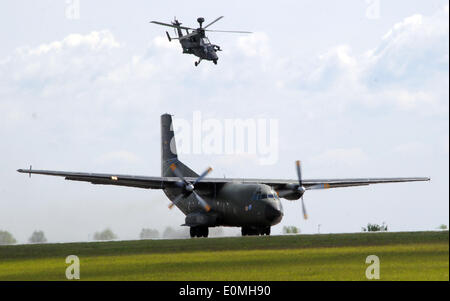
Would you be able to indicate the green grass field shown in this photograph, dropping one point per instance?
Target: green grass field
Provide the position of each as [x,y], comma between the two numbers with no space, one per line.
[403,256]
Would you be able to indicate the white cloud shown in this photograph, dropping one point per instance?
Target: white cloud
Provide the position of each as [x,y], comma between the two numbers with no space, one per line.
[410,148]
[255,45]
[95,40]
[412,50]
[405,71]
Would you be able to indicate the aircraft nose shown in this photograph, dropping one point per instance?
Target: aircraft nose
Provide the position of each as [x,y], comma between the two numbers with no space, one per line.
[272,214]
[213,55]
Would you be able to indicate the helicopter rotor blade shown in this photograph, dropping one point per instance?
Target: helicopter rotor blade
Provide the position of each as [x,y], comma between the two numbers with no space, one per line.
[228,31]
[171,25]
[213,22]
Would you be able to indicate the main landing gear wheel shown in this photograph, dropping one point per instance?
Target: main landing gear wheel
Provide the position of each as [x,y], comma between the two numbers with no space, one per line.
[196,64]
[215,62]
[255,231]
[199,231]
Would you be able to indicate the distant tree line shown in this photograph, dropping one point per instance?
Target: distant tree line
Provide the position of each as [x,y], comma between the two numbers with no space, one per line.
[7,238]
[172,233]
[38,236]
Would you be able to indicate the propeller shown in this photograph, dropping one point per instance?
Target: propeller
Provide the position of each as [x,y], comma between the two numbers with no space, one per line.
[189,188]
[293,191]
[301,189]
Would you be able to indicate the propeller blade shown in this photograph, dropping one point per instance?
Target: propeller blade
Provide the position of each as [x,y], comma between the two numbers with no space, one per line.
[203,175]
[175,201]
[202,202]
[305,215]
[299,172]
[173,167]
[213,22]
[229,31]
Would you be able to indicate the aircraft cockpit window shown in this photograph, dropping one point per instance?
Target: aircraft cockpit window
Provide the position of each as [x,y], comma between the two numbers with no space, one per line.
[205,41]
[257,196]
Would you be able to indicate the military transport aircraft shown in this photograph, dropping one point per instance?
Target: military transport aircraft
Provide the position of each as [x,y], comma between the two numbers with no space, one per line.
[252,204]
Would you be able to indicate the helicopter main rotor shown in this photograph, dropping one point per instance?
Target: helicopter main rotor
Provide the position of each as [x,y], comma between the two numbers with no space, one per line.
[200,21]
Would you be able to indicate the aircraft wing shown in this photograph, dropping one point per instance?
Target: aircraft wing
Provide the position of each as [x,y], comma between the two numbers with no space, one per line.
[335,183]
[167,182]
[281,184]
[109,179]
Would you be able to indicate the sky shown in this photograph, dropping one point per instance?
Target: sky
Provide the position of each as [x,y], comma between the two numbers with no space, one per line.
[358,88]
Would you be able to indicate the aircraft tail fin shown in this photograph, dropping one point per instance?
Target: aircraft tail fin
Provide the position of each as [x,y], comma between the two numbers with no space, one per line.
[169,150]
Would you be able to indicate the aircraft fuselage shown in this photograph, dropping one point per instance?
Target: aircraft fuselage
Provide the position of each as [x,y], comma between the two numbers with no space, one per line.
[234,204]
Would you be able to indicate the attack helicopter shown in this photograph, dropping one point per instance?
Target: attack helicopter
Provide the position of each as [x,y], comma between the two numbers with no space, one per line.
[195,41]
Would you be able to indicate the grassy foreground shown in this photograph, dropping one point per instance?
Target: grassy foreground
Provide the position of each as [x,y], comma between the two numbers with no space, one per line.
[403,256]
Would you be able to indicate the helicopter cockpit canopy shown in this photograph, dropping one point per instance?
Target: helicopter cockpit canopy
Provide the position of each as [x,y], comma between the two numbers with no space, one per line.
[205,41]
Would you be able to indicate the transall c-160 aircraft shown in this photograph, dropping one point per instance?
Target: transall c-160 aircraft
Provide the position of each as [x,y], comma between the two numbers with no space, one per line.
[252,204]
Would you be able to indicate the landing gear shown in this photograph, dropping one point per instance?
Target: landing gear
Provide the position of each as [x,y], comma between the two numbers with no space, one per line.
[196,63]
[199,231]
[255,231]
[215,62]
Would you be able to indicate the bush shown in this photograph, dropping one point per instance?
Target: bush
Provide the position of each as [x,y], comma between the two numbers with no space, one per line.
[375,228]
